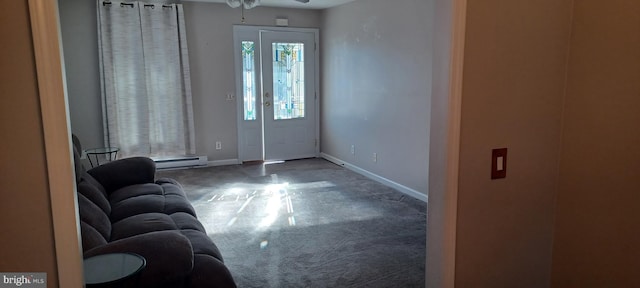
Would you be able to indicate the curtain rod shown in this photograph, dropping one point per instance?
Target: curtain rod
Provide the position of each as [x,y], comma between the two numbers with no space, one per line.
[105,3]
[154,6]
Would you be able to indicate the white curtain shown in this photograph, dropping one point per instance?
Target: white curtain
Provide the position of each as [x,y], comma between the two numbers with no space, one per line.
[146,90]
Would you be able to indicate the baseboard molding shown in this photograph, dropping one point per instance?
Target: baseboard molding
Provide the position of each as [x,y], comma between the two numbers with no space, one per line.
[375,177]
[224,162]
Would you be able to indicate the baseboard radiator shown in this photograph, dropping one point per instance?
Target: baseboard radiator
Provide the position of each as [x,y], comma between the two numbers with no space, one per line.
[180,162]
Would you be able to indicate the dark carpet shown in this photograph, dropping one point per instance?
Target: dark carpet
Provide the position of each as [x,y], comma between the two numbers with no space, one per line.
[308,223]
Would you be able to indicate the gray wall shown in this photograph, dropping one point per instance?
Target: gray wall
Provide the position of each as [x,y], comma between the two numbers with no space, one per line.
[512,96]
[210,35]
[376,87]
[80,44]
[597,230]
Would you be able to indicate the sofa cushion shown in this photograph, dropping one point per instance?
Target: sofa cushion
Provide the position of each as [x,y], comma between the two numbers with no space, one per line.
[186,221]
[89,179]
[136,205]
[124,172]
[91,238]
[93,194]
[202,276]
[140,224]
[202,244]
[135,191]
[148,198]
[93,216]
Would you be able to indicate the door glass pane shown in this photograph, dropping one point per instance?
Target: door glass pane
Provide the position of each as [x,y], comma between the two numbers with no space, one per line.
[249,80]
[288,80]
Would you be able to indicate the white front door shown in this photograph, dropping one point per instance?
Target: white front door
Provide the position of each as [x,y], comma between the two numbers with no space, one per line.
[288,95]
[276,88]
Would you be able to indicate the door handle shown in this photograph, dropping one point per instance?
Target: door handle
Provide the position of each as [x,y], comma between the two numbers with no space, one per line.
[267,103]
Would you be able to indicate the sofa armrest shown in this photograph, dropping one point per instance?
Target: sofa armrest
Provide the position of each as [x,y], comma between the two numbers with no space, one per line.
[169,256]
[124,172]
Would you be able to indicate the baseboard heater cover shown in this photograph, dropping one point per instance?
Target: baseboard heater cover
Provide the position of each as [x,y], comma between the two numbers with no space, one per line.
[180,162]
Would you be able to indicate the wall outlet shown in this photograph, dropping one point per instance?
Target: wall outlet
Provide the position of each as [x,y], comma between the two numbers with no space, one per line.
[353,149]
[499,163]
[375,157]
[230,96]
[218,145]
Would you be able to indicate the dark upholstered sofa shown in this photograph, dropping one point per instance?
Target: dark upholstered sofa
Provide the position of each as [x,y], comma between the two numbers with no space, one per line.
[123,208]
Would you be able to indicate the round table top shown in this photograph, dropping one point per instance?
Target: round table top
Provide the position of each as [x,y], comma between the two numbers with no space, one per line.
[112,267]
[102,150]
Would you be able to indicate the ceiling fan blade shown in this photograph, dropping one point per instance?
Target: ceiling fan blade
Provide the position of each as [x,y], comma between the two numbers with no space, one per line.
[234,3]
[248,4]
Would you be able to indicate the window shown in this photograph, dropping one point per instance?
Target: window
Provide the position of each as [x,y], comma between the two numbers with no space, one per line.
[288,80]
[249,80]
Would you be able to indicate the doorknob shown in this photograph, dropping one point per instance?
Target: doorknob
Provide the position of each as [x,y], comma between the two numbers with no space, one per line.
[266,95]
[267,103]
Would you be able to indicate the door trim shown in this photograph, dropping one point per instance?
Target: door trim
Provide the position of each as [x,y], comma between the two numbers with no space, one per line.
[239,30]
[45,31]
[73,273]
[449,39]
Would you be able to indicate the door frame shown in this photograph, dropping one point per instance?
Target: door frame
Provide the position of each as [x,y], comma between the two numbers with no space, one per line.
[443,194]
[47,44]
[239,34]
[444,161]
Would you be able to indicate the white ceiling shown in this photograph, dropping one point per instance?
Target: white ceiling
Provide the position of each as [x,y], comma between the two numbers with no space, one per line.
[313,4]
